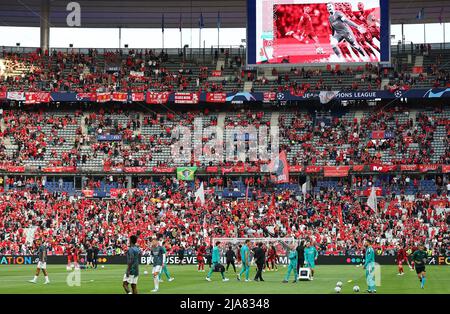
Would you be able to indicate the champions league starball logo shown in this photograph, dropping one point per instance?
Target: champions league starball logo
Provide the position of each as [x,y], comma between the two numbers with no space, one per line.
[280,96]
[398,93]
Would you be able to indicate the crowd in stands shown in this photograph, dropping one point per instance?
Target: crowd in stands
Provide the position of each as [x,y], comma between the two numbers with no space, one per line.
[40,138]
[143,70]
[338,221]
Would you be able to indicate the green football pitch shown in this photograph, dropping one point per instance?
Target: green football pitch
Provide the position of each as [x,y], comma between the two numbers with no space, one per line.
[14,280]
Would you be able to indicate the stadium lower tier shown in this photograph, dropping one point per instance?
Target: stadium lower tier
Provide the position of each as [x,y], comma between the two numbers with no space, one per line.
[189,215]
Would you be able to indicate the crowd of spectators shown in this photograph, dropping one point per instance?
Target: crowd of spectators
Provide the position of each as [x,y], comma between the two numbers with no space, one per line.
[143,70]
[337,221]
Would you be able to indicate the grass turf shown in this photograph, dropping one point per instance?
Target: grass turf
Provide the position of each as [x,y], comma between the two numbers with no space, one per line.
[108,280]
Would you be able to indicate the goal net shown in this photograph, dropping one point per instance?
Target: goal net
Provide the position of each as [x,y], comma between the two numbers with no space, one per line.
[281,245]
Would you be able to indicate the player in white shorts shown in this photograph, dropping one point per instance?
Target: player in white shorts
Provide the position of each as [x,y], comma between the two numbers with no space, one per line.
[42,262]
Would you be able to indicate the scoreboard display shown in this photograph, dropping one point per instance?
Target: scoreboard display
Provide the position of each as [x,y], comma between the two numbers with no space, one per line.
[317,31]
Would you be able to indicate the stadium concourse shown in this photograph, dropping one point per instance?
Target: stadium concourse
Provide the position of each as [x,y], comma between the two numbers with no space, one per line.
[63,163]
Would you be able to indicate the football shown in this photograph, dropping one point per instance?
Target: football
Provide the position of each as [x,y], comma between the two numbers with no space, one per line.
[356,289]
[337,289]
[339,284]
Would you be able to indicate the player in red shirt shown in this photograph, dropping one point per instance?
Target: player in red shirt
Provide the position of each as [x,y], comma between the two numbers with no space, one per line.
[401,258]
[305,30]
[72,257]
[201,251]
[272,258]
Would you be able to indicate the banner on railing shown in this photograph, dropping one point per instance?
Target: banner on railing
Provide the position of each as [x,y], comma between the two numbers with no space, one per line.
[445,168]
[164,169]
[37,97]
[339,171]
[409,167]
[155,98]
[119,97]
[19,96]
[313,169]
[135,169]
[426,168]
[103,97]
[109,138]
[15,169]
[295,168]
[216,97]
[383,168]
[187,98]
[358,168]
[137,97]
[62,169]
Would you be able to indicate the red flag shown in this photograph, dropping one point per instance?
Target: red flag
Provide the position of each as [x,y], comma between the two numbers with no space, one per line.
[340,214]
[279,169]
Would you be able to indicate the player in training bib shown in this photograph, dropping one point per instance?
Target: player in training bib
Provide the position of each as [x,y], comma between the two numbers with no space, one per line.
[158,254]
[369,266]
[165,271]
[340,28]
[293,257]
[216,266]
[245,255]
[132,273]
[42,262]
[311,255]
[420,259]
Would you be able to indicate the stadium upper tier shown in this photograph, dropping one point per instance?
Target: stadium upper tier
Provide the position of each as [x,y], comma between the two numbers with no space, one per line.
[108,139]
[148,70]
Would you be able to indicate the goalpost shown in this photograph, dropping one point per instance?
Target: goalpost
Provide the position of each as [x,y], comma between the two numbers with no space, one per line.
[281,245]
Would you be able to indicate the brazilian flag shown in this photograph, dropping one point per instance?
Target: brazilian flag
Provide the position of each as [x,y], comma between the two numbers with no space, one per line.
[186,173]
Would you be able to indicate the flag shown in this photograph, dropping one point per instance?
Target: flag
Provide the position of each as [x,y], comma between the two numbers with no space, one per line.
[200,194]
[421,14]
[162,23]
[279,169]
[339,209]
[186,173]
[304,188]
[201,24]
[180,25]
[246,194]
[372,200]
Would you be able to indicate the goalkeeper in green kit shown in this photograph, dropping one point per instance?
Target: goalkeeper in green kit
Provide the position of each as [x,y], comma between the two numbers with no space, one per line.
[369,266]
[292,256]
[245,255]
[311,255]
[216,266]
[164,268]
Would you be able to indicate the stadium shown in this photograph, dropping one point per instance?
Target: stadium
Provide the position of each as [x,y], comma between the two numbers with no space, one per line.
[224,147]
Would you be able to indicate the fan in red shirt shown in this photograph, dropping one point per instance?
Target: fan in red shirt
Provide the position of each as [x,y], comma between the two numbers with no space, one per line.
[401,258]
[201,251]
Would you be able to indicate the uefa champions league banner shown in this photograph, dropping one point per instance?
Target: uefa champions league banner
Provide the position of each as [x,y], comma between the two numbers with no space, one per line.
[443,260]
[245,97]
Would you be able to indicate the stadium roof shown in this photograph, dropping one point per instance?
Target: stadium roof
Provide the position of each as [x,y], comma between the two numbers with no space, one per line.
[148,13]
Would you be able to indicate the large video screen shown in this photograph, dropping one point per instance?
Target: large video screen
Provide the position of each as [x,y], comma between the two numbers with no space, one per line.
[317,31]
